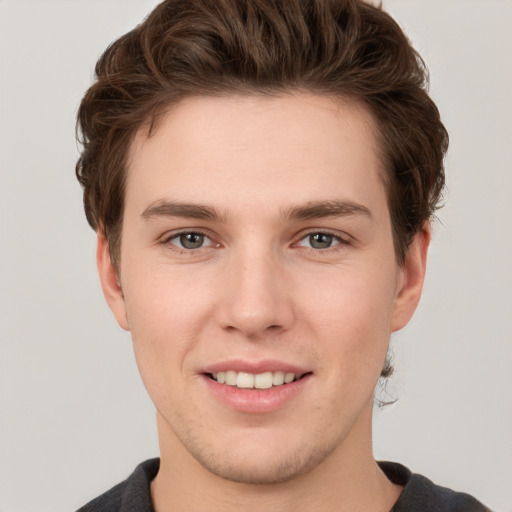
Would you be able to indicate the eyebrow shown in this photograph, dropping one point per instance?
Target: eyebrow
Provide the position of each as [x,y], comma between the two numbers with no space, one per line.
[162,208]
[308,211]
[320,209]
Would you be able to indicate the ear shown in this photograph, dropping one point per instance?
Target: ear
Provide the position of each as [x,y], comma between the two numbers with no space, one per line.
[411,279]
[110,283]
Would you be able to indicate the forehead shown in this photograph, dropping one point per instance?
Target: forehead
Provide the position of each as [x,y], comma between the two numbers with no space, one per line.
[266,149]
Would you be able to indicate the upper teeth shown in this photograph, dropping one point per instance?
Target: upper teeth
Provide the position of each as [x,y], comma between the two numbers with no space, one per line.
[250,380]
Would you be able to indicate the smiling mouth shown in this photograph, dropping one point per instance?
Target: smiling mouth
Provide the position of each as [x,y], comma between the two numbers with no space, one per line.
[266,380]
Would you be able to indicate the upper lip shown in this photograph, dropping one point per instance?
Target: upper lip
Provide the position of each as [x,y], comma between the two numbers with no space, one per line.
[254,367]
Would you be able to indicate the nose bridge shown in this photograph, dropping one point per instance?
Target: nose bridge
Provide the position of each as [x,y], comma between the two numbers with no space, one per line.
[256,299]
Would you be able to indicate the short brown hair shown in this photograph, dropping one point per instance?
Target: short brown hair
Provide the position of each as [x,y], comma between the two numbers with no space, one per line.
[344,48]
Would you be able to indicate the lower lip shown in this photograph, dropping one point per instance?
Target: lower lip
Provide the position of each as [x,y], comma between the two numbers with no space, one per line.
[256,401]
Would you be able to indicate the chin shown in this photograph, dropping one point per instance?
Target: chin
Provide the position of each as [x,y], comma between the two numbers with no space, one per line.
[262,467]
[259,473]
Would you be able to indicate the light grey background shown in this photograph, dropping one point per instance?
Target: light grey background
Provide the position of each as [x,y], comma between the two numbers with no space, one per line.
[74,417]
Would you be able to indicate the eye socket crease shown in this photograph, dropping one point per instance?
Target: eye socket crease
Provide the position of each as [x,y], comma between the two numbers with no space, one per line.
[311,210]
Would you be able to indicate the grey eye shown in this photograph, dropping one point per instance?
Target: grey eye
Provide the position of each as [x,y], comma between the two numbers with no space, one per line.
[321,240]
[191,240]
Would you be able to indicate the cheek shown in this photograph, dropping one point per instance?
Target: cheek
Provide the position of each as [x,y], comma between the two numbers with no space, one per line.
[353,316]
[160,297]
[355,299]
[166,314]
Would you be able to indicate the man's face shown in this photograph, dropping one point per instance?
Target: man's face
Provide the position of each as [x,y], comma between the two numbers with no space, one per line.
[257,241]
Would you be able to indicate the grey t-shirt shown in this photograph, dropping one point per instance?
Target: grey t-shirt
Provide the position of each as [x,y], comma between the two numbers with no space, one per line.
[419,494]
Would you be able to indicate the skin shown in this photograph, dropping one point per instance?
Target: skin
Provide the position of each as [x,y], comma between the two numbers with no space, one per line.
[257,289]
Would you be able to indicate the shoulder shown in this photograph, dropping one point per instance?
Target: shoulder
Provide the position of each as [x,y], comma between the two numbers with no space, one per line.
[419,492]
[131,495]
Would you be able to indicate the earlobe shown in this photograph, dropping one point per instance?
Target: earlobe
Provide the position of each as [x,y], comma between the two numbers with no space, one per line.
[412,278]
[110,284]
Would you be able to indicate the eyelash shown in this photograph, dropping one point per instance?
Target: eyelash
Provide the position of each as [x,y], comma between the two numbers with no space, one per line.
[340,241]
[167,240]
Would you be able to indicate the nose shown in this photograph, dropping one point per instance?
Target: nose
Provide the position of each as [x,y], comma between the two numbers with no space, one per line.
[257,297]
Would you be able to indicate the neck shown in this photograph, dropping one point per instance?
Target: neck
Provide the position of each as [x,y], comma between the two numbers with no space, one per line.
[349,479]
